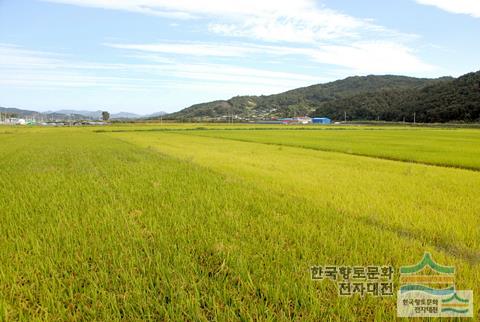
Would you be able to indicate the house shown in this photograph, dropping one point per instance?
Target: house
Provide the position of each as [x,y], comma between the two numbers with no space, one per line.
[16,121]
[321,120]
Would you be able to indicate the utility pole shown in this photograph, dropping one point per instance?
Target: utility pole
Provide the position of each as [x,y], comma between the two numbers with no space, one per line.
[414,117]
[345,115]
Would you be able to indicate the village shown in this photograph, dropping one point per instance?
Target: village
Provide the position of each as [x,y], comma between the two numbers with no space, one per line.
[32,121]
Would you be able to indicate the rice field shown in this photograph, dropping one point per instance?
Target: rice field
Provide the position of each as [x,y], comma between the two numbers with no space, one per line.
[189,222]
[444,147]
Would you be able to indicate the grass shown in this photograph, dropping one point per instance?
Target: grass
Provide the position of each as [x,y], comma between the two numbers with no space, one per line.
[158,225]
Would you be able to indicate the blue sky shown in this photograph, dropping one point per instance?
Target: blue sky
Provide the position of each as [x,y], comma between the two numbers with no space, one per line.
[145,56]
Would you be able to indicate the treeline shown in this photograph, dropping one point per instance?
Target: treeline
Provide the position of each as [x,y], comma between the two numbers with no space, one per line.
[447,101]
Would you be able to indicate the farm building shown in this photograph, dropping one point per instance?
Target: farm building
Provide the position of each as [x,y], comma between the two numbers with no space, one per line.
[303,120]
[296,120]
[321,120]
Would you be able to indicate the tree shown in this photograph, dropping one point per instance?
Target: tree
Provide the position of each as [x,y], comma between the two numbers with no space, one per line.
[105,116]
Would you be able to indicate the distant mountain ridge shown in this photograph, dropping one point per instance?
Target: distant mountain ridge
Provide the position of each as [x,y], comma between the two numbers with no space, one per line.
[12,110]
[75,114]
[301,101]
[92,114]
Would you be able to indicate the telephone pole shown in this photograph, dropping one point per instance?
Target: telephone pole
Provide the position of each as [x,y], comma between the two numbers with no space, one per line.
[414,117]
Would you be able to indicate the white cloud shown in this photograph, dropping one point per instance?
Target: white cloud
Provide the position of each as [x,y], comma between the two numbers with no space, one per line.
[25,68]
[14,56]
[150,7]
[375,57]
[468,7]
[360,56]
[302,28]
[306,25]
[195,49]
[273,20]
[234,74]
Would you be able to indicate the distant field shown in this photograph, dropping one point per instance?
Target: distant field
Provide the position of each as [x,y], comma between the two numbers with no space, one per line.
[447,147]
[163,223]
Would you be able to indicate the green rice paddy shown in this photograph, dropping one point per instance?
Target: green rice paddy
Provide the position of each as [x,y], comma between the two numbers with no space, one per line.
[189,222]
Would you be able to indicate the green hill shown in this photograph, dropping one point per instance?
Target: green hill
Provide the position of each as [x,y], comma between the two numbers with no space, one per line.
[450,100]
[301,101]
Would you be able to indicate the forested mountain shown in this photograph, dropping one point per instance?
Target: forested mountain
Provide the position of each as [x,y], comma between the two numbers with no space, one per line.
[453,100]
[301,101]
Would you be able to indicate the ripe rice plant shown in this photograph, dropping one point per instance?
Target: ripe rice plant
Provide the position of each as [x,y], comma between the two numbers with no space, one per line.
[171,225]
